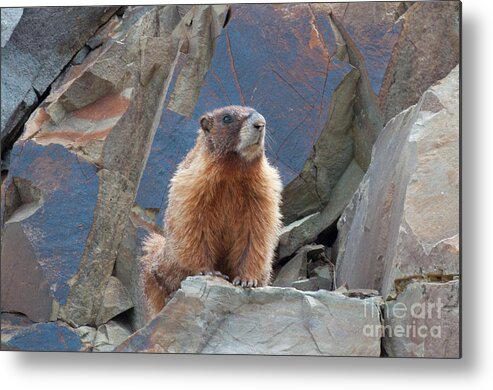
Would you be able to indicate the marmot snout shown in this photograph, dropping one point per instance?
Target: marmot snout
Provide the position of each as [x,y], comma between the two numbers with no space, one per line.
[223,210]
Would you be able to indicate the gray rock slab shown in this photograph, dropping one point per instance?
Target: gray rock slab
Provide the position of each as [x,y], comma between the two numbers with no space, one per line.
[210,315]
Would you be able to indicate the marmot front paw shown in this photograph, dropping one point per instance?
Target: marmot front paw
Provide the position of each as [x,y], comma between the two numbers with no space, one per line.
[245,282]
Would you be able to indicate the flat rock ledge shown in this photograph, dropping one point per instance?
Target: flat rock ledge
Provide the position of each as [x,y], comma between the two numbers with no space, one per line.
[210,315]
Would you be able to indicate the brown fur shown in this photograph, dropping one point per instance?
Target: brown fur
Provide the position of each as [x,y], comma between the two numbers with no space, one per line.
[223,212]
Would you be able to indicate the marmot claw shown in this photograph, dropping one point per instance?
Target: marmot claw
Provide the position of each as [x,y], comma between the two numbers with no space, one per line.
[244,282]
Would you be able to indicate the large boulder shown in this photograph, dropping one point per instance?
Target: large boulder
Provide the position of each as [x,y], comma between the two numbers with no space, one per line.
[128,268]
[403,221]
[75,170]
[36,49]
[210,315]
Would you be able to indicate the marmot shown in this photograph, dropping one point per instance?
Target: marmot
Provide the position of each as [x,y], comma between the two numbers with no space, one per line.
[223,213]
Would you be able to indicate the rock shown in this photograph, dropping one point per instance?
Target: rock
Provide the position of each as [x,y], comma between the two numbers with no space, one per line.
[115,301]
[373,28]
[367,120]
[310,191]
[324,276]
[320,259]
[110,28]
[355,118]
[216,317]
[197,51]
[81,55]
[368,32]
[296,268]
[306,284]
[424,321]
[41,45]
[404,218]
[294,235]
[87,335]
[20,334]
[10,17]
[5,163]
[309,228]
[427,49]
[360,293]
[83,151]
[109,336]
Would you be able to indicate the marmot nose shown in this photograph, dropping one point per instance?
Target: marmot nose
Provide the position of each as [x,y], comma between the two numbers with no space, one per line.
[259,125]
[258,121]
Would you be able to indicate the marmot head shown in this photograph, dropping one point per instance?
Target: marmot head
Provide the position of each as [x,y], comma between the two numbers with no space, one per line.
[234,130]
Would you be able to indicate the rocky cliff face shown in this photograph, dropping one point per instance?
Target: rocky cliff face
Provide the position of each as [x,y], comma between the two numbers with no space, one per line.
[362,104]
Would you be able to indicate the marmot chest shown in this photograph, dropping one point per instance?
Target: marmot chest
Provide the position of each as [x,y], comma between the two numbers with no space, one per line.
[233,204]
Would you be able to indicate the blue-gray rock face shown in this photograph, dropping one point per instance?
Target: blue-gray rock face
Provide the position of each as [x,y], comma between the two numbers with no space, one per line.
[48,215]
[20,334]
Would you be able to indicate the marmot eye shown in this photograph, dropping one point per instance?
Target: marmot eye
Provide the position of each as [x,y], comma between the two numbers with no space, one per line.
[227,119]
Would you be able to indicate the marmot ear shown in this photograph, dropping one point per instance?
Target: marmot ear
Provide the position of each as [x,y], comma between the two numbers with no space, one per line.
[206,122]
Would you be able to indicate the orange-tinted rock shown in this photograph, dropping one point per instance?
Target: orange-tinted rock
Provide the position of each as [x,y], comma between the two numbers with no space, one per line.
[107,107]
